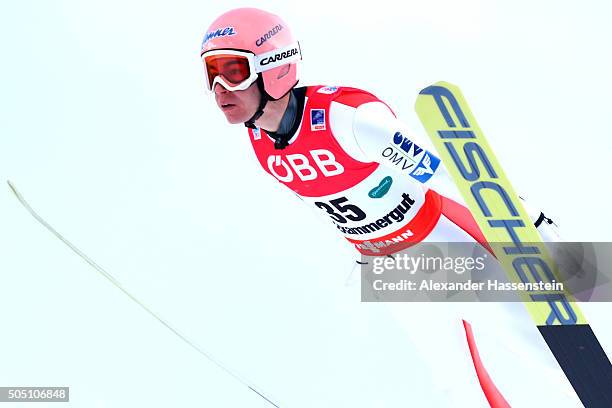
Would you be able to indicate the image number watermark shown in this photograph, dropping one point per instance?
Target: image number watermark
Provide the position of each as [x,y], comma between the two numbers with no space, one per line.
[34,394]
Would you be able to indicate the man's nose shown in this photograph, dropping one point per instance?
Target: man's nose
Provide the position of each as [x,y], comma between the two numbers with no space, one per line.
[219,89]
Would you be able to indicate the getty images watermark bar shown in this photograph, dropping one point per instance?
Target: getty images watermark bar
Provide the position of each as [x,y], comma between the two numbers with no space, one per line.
[466,272]
[34,394]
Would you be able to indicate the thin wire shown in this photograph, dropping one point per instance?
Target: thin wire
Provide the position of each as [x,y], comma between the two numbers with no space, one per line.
[120,287]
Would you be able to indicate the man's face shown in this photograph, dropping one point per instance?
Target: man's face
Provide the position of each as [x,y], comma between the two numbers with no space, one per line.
[238,106]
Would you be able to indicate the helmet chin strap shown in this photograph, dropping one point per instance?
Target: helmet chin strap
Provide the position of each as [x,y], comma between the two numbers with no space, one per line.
[262,104]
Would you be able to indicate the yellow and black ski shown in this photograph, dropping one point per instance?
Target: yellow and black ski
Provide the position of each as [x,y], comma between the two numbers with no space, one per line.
[515,241]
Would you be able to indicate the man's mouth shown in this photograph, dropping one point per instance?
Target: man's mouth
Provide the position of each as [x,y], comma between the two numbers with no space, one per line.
[227,106]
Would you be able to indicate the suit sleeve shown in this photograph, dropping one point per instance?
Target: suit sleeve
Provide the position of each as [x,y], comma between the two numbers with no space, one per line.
[382,138]
[386,140]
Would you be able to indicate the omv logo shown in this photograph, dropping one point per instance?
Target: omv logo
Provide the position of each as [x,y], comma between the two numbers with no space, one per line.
[426,168]
[406,144]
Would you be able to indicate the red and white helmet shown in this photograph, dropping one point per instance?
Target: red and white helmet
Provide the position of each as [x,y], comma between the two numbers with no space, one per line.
[243,44]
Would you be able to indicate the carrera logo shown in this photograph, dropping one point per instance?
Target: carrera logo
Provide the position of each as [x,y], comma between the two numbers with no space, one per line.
[268,35]
[220,32]
[279,57]
[285,168]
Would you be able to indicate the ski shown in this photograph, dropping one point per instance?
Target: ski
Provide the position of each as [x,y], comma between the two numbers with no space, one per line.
[514,240]
[233,373]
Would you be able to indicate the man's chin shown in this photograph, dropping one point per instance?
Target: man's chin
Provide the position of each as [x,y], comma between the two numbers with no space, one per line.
[234,119]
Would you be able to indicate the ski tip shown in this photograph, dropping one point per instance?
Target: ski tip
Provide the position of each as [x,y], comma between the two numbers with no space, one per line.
[13,188]
[439,84]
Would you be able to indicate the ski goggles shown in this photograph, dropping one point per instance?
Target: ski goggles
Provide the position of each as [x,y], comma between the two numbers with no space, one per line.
[237,70]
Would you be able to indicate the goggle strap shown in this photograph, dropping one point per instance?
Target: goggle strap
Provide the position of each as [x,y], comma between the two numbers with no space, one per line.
[276,58]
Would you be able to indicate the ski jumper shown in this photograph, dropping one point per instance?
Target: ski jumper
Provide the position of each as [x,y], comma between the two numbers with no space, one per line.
[376,209]
[358,166]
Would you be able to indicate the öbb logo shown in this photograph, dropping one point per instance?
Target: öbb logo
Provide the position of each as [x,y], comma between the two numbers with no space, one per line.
[299,164]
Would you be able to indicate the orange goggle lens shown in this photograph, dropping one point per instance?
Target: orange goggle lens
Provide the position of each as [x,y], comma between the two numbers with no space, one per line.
[235,69]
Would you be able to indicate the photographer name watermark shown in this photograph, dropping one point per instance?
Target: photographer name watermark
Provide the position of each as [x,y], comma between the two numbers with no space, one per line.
[469,285]
[460,272]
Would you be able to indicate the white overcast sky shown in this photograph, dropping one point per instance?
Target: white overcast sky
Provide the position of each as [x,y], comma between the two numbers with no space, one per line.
[106,129]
